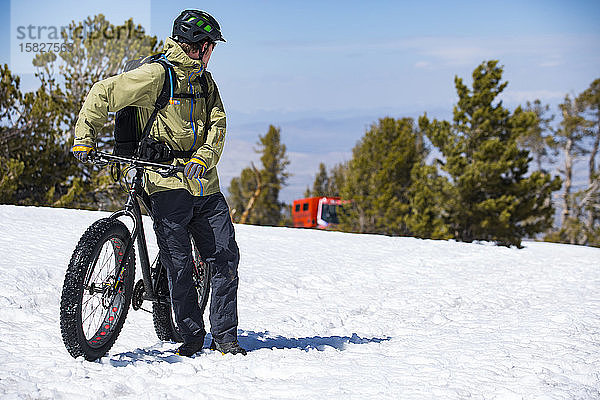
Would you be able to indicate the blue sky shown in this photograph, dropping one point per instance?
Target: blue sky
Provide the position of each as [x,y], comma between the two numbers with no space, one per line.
[323,71]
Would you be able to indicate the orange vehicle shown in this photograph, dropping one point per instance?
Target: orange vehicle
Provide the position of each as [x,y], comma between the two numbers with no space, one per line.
[319,212]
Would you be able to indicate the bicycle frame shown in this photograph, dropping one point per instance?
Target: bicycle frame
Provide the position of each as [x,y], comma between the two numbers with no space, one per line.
[132,209]
[112,242]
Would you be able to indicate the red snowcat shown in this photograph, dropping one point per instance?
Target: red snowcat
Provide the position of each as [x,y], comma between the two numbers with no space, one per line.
[319,212]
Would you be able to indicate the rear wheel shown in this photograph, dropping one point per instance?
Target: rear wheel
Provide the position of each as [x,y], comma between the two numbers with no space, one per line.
[162,313]
[97,291]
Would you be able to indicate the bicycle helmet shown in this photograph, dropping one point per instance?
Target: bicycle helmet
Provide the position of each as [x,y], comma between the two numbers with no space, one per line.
[192,26]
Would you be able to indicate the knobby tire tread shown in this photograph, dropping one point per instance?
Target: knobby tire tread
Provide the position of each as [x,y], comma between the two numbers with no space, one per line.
[84,254]
[164,325]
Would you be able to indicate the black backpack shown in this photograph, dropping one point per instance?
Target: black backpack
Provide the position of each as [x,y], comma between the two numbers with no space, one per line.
[130,139]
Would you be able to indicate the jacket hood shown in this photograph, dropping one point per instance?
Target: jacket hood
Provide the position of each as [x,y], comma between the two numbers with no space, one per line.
[178,58]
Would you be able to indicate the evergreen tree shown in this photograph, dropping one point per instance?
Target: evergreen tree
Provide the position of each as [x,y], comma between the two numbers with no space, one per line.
[99,53]
[490,197]
[378,178]
[33,159]
[241,190]
[570,136]
[538,140]
[274,176]
[11,120]
[328,184]
[590,99]
[307,192]
[426,194]
[286,216]
[581,209]
[258,196]
[337,179]
[321,184]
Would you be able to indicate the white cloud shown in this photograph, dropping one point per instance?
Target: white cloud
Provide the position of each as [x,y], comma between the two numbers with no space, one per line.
[466,51]
[459,55]
[553,63]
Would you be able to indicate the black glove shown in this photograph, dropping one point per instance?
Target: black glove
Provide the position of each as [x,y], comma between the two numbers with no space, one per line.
[195,168]
[82,152]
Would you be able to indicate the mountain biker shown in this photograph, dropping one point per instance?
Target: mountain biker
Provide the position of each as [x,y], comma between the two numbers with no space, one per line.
[194,204]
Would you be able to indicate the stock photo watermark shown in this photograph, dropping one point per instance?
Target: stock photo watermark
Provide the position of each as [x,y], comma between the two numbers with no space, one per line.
[61,26]
[52,38]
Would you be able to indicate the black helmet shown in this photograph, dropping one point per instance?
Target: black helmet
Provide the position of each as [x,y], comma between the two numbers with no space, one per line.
[194,25]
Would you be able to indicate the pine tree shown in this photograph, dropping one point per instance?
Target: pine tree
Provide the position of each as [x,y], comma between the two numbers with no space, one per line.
[11,119]
[337,179]
[274,176]
[491,196]
[581,209]
[241,190]
[265,208]
[307,192]
[33,159]
[426,194]
[321,183]
[538,140]
[570,136]
[328,183]
[87,59]
[590,99]
[379,177]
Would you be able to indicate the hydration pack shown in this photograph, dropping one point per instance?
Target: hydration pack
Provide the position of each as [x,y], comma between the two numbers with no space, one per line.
[131,139]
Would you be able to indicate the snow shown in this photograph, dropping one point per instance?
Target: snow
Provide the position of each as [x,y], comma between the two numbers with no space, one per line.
[325,315]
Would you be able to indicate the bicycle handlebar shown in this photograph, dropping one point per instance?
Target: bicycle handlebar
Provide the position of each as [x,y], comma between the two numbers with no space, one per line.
[102,158]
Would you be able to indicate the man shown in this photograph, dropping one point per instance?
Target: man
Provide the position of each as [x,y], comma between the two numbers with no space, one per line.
[195,124]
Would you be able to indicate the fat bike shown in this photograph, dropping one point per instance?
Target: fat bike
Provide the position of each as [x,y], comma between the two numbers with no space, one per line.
[99,283]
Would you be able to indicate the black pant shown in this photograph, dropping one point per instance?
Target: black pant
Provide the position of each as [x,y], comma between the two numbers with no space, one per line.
[177,212]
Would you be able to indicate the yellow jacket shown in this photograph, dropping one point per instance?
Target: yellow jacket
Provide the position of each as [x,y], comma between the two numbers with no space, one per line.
[181,126]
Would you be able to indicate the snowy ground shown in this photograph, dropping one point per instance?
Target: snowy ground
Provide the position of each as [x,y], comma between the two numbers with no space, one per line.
[324,315]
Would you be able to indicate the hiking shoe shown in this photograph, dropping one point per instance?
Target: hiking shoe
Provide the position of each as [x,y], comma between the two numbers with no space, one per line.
[228,348]
[190,348]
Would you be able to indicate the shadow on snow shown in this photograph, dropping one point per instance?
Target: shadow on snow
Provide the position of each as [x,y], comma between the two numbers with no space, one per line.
[250,340]
[148,356]
[264,340]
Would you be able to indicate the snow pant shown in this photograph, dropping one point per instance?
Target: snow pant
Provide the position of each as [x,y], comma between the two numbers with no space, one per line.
[177,213]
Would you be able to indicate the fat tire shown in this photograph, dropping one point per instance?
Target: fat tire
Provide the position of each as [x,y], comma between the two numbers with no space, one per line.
[162,315]
[85,256]
[164,325]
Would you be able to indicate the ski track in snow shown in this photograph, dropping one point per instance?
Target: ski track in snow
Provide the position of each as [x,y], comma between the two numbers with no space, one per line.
[324,315]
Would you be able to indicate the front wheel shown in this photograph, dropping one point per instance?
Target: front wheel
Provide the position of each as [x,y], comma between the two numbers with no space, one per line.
[162,313]
[97,291]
